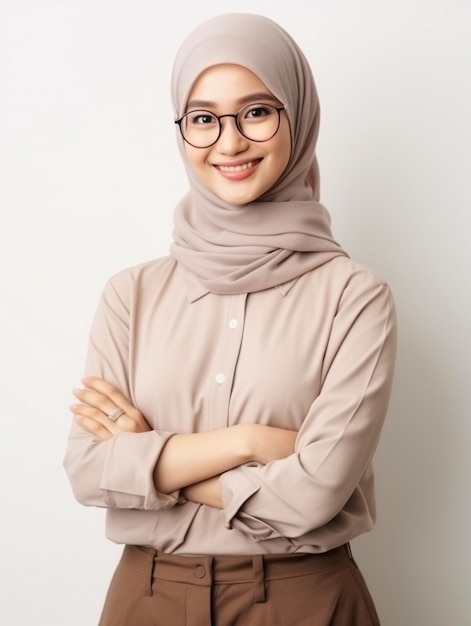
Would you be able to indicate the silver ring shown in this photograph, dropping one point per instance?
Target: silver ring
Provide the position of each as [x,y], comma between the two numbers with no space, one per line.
[116,414]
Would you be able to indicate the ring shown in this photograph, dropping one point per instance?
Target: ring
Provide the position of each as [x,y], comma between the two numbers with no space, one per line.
[116,414]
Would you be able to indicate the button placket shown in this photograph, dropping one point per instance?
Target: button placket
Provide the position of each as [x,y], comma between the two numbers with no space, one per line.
[226,361]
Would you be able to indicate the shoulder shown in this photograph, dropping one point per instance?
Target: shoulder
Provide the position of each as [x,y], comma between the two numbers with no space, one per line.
[347,287]
[345,274]
[153,270]
[347,270]
[134,281]
[362,293]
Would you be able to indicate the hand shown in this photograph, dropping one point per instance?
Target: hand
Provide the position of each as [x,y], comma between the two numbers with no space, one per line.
[97,400]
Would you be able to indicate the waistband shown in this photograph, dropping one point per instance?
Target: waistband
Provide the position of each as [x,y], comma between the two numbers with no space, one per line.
[209,570]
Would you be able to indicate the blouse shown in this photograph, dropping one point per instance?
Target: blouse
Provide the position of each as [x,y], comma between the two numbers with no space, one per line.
[315,355]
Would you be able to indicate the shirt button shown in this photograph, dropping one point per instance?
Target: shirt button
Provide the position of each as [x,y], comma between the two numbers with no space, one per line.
[220,378]
[200,571]
[233,324]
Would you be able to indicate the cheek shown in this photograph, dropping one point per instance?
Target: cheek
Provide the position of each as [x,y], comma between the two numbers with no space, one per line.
[195,157]
[283,152]
[283,139]
[190,155]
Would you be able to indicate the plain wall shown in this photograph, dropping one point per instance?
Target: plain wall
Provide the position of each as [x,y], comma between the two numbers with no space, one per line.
[89,176]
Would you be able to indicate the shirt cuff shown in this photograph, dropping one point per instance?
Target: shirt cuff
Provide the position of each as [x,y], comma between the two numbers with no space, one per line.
[235,488]
[128,474]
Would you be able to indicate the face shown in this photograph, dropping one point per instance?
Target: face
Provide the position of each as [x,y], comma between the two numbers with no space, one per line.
[235,168]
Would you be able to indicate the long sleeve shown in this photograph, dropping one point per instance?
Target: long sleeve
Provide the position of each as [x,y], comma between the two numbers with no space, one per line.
[328,482]
[117,473]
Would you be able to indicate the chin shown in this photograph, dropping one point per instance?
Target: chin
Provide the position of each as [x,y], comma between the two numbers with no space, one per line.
[240,199]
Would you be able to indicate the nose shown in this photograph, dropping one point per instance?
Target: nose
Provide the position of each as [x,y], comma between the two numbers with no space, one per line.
[231,141]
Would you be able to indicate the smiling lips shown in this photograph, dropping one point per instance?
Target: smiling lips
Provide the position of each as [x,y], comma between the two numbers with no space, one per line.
[238,171]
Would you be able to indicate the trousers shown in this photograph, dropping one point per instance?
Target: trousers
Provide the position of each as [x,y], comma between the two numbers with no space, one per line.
[149,588]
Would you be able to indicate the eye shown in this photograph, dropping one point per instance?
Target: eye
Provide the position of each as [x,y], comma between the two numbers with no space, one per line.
[201,118]
[257,111]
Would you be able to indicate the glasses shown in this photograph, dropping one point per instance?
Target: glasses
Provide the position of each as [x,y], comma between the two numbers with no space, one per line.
[256,122]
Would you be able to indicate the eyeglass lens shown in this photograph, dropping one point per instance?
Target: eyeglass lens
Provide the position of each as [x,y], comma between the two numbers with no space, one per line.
[257,122]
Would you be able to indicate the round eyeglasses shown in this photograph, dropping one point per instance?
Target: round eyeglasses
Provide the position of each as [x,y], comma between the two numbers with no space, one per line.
[256,122]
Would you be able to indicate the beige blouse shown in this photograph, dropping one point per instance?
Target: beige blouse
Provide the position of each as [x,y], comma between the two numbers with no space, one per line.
[315,354]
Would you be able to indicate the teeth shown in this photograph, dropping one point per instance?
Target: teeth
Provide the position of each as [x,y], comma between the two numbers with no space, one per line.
[236,168]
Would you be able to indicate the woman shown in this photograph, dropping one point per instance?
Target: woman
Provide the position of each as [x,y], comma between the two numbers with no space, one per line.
[236,389]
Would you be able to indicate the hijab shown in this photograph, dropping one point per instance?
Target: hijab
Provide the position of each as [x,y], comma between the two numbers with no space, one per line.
[285,233]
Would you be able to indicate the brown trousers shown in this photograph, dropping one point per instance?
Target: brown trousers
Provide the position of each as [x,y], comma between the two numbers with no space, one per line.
[154,589]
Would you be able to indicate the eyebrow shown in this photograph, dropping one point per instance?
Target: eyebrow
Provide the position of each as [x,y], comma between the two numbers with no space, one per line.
[261,96]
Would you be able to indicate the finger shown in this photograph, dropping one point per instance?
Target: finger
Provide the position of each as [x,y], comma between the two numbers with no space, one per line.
[104,404]
[94,427]
[95,420]
[95,400]
[106,398]
[105,388]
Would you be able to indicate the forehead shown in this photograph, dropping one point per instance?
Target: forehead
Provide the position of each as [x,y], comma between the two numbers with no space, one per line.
[228,85]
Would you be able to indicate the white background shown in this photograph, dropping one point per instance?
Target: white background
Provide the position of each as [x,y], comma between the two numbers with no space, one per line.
[89,178]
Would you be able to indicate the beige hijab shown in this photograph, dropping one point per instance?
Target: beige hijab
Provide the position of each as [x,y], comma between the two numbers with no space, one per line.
[286,232]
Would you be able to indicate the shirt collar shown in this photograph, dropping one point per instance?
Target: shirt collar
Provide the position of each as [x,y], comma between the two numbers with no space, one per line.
[195,290]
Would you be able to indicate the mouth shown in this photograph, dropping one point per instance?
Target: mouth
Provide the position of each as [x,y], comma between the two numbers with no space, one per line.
[238,171]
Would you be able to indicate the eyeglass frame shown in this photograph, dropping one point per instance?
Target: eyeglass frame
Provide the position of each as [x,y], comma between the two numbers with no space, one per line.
[278,109]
